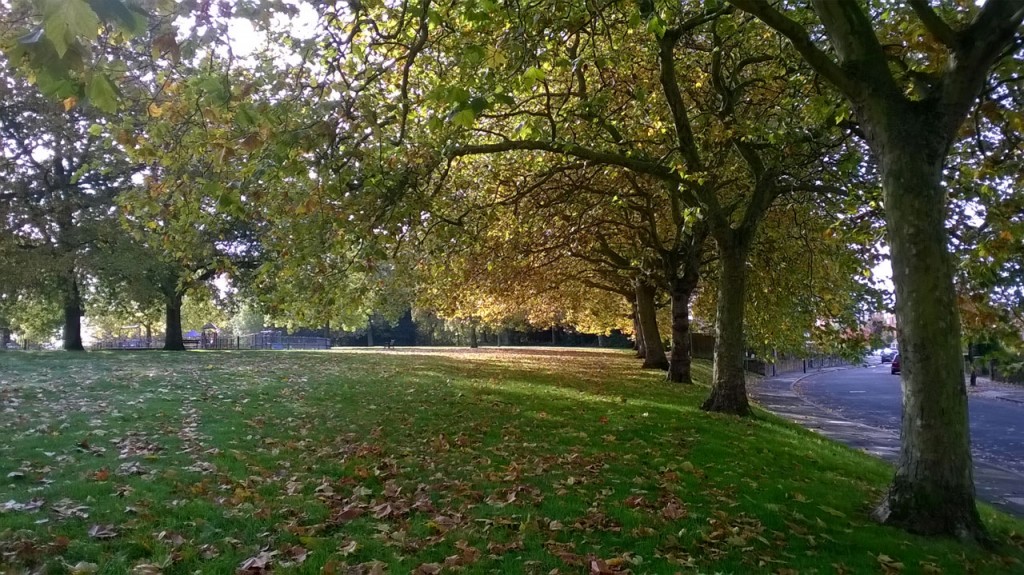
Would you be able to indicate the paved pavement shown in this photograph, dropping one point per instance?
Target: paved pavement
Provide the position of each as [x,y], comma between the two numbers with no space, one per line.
[861,408]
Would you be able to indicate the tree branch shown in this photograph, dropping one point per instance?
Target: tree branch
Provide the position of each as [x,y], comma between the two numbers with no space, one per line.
[853,37]
[801,41]
[980,46]
[422,32]
[934,23]
[674,99]
[574,150]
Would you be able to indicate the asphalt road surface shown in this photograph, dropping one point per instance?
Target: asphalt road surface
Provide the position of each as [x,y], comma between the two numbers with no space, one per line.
[872,396]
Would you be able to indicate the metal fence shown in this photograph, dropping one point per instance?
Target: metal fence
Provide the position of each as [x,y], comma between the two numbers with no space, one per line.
[155,342]
[267,340]
[263,340]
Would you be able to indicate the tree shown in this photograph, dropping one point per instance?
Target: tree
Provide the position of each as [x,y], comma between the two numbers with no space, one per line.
[125,284]
[910,114]
[247,319]
[528,240]
[58,181]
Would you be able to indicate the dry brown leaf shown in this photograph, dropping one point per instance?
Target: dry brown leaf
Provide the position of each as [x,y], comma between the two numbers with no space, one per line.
[428,569]
[102,532]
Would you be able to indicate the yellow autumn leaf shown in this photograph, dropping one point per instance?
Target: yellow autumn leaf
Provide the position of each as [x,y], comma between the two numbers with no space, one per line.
[69,103]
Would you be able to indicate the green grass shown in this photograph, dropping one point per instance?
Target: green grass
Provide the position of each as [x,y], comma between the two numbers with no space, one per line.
[494,462]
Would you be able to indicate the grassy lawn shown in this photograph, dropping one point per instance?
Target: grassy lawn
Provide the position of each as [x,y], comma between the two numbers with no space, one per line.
[529,461]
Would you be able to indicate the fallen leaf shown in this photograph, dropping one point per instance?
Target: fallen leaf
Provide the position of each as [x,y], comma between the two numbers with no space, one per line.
[831,511]
[102,532]
[348,548]
[147,569]
[295,555]
[258,564]
[83,568]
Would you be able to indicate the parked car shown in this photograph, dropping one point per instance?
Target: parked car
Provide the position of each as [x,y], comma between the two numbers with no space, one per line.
[888,354]
[896,365]
[12,345]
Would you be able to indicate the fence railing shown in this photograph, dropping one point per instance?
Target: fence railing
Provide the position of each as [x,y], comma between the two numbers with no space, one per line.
[268,341]
[278,341]
[794,364]
[156,342]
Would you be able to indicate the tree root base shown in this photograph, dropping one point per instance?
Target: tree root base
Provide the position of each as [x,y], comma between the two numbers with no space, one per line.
[941,514]
[729,402]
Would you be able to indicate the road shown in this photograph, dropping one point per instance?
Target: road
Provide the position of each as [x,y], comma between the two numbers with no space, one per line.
[861,408]
[872,396]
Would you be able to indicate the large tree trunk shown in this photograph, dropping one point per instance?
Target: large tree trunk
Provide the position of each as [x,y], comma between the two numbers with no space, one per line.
[73,318]
[648,319]
[679,359]
[729,390]
[933,490]
[173,338]
[473,342]
[5,337]
[369,332]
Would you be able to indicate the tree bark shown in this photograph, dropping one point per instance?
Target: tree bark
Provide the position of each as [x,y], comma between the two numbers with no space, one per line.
[638,334]
[729,390]
[73,318]
[5,337]
[648,319]
[173,338]
[473,343]
[679,358]
[369,332]
[932,492]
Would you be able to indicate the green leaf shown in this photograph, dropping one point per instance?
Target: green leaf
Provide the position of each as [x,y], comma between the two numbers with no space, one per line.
[504,99]
[534,73]
[463,118]
[478,105]
[67,20]
[475,54]
[635,19]
[95,129]
[656,26]
[118,11]
[458,95]
[214,88]
[495,58]
[101,93]
[532,76]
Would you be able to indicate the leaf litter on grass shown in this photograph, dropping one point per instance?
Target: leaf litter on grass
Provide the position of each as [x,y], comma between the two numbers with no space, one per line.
[416,463]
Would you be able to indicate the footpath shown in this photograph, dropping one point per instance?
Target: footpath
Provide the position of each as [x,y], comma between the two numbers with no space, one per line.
[994,390]
[1002,488]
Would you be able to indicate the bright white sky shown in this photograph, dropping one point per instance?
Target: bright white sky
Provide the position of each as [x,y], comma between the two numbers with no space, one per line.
[245,40]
